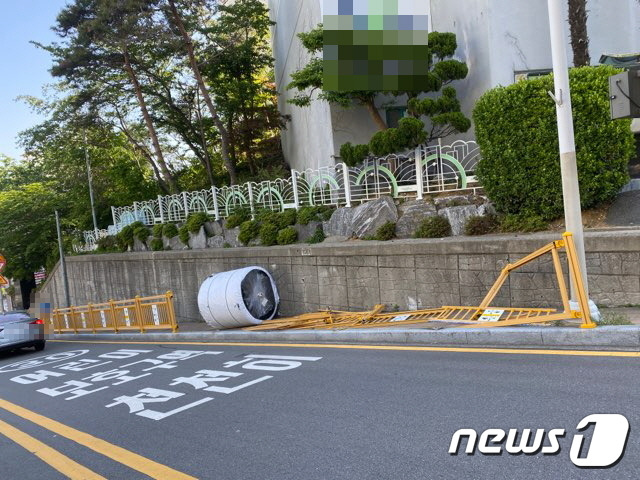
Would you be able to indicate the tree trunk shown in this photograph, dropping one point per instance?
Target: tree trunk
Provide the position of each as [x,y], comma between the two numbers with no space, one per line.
[375,115]
[224,134]
[579,36]
[166,173]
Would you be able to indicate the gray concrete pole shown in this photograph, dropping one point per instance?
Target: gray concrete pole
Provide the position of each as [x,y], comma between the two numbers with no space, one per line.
[568,164]
[89,176]
[63,264]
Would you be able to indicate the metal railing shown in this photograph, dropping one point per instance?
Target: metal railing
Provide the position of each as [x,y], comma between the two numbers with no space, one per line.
[140,313]
[426,170]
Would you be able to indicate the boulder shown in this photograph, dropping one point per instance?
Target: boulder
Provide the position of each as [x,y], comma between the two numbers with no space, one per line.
[198,240]
[369,217]
[217,241]
[231,237]
[340,223]
[173,243]
[305,232]
[412,214]
[458,216]
[213,228]
[139,246]
[453,201]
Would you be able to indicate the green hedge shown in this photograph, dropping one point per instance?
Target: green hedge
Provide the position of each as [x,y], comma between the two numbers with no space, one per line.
[517,133]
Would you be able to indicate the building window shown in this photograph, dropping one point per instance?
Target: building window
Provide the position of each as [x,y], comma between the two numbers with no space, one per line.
[528,74]
[394,114]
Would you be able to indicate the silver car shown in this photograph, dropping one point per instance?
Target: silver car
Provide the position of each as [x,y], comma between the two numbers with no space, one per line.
[19,329]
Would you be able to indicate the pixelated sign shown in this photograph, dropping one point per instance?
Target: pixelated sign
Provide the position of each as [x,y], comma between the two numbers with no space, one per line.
[375,45]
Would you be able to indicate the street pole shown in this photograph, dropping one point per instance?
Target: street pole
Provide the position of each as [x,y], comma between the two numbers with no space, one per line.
[568,164]
[89,176]
[63,264]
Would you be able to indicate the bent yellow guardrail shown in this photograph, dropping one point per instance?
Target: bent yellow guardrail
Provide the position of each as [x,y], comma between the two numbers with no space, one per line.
[140,313]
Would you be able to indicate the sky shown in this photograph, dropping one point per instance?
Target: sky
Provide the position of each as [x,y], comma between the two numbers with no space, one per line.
[23,67]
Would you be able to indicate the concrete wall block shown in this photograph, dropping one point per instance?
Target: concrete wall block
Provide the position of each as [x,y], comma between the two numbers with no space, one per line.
[396,261]
[485,262]
[444,262]
[338,261]
[362,261]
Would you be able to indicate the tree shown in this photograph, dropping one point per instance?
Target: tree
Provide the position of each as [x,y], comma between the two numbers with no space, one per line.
[443,113]
[578,15]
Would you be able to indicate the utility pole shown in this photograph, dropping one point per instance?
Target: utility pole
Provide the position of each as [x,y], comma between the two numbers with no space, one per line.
[568,163]
[63,264]
[90,177]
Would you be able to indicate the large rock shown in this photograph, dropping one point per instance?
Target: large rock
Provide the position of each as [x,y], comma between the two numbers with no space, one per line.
[458,216]
[173,243]
[369,217]
[412,214]
[198,240]
[340,223]
[305,232]
[217,241]
[139,246]
[231,237]
[453,201]
[213,228]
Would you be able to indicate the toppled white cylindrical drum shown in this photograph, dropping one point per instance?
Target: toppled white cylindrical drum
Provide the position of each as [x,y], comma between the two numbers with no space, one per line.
[238,298]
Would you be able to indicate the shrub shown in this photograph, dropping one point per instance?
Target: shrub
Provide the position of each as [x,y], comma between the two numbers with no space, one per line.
[183,233]
[239,216]
[125,238]
[195,221]
[287,218]
[386,232]
[227,245]
[156,244]
[522,223]
[287,236]
[249,230]
[108,244]
[157,230]
[268,234]
[318,236]
[319,213]
[481,225]
[434,227]
[169,230]
[517,133]
[141,233]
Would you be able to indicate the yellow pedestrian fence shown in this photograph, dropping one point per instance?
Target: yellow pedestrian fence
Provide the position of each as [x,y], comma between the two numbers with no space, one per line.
[139,313]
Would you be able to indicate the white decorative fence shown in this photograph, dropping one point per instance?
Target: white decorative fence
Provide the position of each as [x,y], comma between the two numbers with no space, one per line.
[425,171]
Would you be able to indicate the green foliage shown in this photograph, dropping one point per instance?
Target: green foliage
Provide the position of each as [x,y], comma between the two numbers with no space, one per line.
[141,233]
[268,234]
[386,232]
[287,236]
[169,230]
[434,227]
[318,236]
[409,134]
[183,234]
[157,244]
[523,223]
[239,216]
[125,237]
[227,245]
[353,155]
[517,133]
[249,230]
[319,213]
[108,244]
[156,230]
[195,221]
[481,225]
[287,218]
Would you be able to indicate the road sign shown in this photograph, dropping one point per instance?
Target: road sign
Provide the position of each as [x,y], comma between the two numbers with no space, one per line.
[4,281]
[3,262]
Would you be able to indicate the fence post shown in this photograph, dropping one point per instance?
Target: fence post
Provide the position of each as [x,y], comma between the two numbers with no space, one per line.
[216,209]
[90,313]
[171,311]
[186,205]
[114,319]
[419,178]
[138,307]
[160,208]
[135,211]
[294,185]
[347,185]
[73,319]
[250,189]
[113,216]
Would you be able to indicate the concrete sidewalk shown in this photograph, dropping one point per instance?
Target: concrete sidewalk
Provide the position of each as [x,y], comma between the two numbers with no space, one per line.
[625,338]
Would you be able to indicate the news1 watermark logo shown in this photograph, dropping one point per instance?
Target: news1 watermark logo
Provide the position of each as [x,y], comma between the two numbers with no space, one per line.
[608,441]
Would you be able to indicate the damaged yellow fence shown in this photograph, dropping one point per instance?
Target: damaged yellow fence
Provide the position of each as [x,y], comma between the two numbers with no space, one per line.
[140,313]
[483,315]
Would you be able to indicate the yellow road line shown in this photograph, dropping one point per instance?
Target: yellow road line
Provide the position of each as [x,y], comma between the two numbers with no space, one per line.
[510,351]
[119,454]
[54,458]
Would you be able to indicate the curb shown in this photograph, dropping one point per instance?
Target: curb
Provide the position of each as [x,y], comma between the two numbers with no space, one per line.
[626,338]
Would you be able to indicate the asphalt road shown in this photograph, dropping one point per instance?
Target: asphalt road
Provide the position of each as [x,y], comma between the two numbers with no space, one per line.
[337,413]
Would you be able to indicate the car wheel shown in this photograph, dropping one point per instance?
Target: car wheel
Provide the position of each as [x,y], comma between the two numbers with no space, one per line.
[39,346]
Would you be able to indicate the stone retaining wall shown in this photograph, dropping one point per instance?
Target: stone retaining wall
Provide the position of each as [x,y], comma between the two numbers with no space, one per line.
[405,274]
